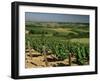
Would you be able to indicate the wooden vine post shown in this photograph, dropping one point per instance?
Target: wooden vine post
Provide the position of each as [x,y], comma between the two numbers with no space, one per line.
[45,56]
[70,60]
[29,48]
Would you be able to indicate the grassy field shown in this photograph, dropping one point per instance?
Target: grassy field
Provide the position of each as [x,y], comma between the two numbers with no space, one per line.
[75,31]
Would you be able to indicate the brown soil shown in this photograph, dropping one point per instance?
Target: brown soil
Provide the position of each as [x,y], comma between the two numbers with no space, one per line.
[36,59]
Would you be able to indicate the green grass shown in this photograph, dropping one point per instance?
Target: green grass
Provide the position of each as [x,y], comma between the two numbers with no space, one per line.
[80,40]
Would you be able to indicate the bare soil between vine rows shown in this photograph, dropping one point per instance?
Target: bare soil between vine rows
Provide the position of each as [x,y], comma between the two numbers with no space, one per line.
[36,60]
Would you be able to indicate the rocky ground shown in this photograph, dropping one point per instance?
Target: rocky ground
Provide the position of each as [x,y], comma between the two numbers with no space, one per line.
[36,59]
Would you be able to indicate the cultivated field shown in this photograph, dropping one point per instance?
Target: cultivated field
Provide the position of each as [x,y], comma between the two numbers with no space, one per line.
[53,44]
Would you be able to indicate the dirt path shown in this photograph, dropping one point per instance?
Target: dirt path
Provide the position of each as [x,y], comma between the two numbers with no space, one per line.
[37,60]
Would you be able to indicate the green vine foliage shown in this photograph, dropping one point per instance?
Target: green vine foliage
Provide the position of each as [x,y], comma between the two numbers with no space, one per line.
[61,49]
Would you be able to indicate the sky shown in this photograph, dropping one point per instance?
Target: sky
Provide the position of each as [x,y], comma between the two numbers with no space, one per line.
[52,17]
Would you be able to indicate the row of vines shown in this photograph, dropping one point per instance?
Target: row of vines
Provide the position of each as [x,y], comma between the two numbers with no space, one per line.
[61,49]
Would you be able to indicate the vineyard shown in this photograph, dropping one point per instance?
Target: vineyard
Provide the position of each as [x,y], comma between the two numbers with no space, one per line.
[52,50]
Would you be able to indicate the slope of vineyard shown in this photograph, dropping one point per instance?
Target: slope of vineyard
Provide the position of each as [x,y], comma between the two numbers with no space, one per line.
[56,44]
